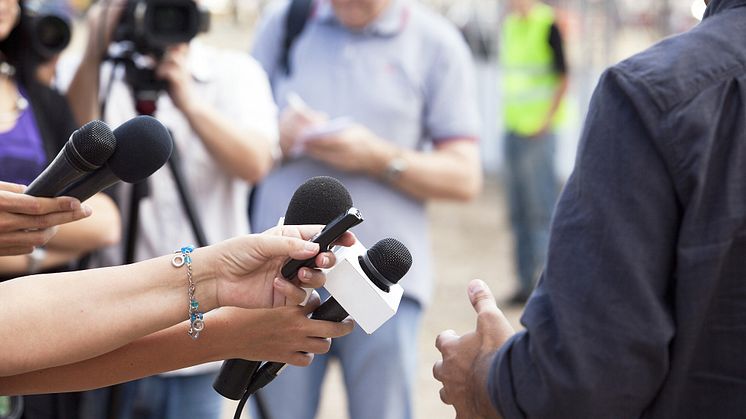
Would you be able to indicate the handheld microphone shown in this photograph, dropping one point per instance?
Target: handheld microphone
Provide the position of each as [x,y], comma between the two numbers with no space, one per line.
[88,148]
[319,200]
[365,287]
[143,146]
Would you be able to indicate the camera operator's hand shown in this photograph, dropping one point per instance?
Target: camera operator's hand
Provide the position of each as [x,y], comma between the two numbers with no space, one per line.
[173,69]
[102,19]
[27,221]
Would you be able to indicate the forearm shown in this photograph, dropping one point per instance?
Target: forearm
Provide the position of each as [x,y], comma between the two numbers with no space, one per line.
[101,229]
[162,351]
[243,153]
[19,265]
[453,171]
[84,89]
[58,319]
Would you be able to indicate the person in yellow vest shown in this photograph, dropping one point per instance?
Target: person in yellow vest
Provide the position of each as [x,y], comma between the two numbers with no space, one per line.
[534,83]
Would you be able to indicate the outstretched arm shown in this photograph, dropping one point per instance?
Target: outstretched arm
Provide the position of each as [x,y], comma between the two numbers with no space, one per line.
[58,319]
[283,334]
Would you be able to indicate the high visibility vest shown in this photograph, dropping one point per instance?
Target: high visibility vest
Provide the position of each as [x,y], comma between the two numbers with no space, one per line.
[529,78]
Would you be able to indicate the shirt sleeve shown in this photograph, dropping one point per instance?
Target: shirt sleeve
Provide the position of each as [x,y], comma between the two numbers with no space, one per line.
[599,325]
[450,93]
[558,50]
[247,97]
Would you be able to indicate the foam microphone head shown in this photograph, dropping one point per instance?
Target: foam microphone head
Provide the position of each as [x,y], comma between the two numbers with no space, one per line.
[386,262]
[91,146]
[144,146]
[318,200]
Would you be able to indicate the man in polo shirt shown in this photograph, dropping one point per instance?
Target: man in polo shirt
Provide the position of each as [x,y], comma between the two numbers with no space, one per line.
[381,95]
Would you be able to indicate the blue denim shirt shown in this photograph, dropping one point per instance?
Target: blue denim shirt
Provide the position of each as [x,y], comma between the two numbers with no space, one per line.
[641,311]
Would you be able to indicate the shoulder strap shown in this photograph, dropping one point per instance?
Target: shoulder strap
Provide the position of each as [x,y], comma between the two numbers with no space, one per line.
[295,22]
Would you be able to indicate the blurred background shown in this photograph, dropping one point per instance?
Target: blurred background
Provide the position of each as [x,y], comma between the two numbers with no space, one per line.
[473,240]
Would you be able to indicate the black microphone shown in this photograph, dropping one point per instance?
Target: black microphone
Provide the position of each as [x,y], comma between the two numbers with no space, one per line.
[88,148]
[144,145]
[319,200]
[384,265]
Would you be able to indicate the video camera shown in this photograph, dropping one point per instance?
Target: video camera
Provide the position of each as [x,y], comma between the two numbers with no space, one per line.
[144,32]
[49,30]
[154,25]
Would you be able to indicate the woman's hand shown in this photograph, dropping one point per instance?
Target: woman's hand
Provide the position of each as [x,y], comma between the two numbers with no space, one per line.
[283,334]
[27,221]
[248,268]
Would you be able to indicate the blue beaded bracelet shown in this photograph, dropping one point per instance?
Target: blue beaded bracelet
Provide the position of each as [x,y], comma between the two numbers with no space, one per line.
[196,318]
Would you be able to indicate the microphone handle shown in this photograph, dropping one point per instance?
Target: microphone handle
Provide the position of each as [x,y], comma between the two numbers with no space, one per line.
[331,311]
[92,184]
[55,178]
[234,377]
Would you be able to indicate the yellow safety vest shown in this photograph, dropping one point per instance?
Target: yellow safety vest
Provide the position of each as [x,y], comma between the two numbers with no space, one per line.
[529,78]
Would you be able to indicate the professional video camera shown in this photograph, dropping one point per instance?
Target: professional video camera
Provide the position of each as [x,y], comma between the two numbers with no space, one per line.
[146,29]
[49,30]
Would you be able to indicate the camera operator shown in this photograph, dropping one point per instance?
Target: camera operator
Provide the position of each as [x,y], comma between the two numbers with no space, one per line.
[220,111]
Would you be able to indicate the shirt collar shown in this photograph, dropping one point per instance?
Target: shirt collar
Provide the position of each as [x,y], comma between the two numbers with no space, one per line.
[718,6]
[391,21]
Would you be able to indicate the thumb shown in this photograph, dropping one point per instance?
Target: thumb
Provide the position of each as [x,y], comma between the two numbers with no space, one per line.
[490,319]
[481,297]
[274,246]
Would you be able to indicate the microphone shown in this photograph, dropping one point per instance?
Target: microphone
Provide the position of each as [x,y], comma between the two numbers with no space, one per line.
[319,200]
[365,287]
[87,149]
[144,145]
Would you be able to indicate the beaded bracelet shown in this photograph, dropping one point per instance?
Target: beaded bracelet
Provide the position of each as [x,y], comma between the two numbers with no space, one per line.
[196,318]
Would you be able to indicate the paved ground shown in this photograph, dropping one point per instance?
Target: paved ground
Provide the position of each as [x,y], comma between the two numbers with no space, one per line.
[469,241]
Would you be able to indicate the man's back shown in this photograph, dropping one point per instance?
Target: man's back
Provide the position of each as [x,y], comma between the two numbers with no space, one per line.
[640,312]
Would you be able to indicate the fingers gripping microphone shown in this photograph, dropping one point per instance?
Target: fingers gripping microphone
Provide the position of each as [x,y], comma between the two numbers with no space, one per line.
[87,150]
[143,146]
[366,289]
[320,200]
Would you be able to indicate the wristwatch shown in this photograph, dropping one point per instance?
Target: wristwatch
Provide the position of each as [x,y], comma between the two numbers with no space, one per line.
[395,168]
[35,260]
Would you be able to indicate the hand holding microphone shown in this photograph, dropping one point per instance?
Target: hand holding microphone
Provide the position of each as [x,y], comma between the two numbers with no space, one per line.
[27,221]
[318,201]
[358,291]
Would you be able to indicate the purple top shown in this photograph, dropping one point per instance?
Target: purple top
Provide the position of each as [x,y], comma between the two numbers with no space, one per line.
[22,155]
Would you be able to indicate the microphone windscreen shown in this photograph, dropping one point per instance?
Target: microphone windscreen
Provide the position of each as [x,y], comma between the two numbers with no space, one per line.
[94,143]
[319,200]
[144,145]
[391,258]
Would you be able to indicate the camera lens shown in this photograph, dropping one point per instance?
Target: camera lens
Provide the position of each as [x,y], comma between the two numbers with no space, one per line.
[52,35]
[171,20]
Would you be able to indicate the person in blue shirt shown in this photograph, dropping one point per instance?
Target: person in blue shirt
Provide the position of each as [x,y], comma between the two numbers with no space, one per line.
[640,311]
[380,95]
